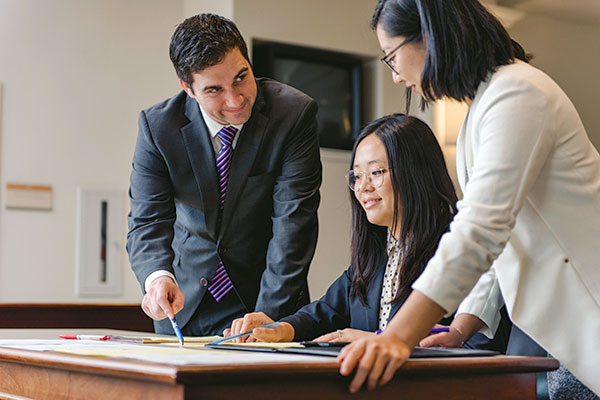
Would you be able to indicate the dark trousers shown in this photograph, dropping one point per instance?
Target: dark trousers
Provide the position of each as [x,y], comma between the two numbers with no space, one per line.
[211,318]
[555,385]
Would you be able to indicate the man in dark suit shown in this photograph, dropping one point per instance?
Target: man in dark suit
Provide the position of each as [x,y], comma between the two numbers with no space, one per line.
[224,189]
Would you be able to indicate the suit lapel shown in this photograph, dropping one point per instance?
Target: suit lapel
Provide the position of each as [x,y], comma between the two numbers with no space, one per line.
[374,298]
[246,149]
[461,148]
[202,158]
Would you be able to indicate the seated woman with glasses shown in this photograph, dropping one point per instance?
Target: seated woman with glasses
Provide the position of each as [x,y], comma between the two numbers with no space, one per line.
[402,203]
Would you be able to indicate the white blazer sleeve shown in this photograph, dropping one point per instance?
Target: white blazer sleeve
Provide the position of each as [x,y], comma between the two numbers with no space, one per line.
[508,137]
[484,301]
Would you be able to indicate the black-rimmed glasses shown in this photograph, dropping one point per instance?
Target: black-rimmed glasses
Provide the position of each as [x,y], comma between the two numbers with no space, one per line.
[388,59]
[356,178]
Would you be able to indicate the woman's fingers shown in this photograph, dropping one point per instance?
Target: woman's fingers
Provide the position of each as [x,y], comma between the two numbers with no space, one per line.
[284,332]
[246,324]
[328,337]
[390,370]
[236,328]
[267,334]
[443,339]
[349,357]
[434,340]
[251,321]
[375,359]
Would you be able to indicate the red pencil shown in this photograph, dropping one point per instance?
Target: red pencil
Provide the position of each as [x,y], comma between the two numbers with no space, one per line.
[85,337]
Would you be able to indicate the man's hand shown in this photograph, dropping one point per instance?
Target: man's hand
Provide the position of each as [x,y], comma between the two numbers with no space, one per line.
[284,332]
[163,299]
[344,335]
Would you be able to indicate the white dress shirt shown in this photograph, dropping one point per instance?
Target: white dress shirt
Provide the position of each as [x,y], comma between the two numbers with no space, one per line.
[213,128]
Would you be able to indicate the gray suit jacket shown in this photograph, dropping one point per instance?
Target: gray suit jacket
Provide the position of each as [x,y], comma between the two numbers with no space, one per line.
[267,232]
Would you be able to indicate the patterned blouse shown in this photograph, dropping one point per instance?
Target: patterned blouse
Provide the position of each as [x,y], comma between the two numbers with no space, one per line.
[391,280]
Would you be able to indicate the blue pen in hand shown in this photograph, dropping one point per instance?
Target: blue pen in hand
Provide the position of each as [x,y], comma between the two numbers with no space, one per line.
[439,330]
[177,330]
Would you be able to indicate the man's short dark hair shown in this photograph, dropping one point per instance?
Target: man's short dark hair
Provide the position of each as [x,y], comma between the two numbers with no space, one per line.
[202,41]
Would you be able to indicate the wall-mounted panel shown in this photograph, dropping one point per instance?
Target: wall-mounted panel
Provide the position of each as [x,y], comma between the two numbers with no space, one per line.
[99,249]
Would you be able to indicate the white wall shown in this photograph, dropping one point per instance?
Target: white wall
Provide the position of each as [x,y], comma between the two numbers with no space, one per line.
[568,51]
[75,75]
[220,7]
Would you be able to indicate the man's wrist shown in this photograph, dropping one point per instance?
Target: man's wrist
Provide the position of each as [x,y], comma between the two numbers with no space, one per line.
[155,275]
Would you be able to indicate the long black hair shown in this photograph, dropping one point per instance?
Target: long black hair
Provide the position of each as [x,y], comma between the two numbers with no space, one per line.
[424,193]
[465,42]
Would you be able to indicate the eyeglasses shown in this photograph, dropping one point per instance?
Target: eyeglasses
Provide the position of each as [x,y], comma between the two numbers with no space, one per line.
[374,177]
[388,59]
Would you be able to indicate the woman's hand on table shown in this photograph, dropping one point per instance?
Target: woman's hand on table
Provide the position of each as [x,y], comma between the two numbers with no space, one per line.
[283,332]
[375,358]
[344,335]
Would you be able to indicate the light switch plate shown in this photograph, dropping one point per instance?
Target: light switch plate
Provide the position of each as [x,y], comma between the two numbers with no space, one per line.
[99,234]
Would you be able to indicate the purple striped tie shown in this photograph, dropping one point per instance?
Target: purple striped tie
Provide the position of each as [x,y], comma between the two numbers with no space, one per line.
[221,284]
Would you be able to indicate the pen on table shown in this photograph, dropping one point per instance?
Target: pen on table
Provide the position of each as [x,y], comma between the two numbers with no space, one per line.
[310,343]
[431,332]
[177,330]
[86,337]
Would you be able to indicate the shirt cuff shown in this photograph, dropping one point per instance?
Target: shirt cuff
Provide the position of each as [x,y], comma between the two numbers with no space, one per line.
[485,301]
[157,274]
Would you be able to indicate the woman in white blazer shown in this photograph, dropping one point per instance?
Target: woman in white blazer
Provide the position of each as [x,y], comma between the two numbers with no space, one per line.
[529,220]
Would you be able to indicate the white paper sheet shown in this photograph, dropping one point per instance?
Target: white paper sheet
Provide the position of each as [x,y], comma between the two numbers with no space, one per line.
[163,353]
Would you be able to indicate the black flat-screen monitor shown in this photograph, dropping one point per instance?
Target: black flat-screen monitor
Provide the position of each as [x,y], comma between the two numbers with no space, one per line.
[333,79]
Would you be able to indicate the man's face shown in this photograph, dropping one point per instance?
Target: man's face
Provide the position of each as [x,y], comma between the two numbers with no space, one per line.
[226,91]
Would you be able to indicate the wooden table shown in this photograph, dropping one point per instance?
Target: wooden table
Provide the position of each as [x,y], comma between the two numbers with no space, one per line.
[26,374]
